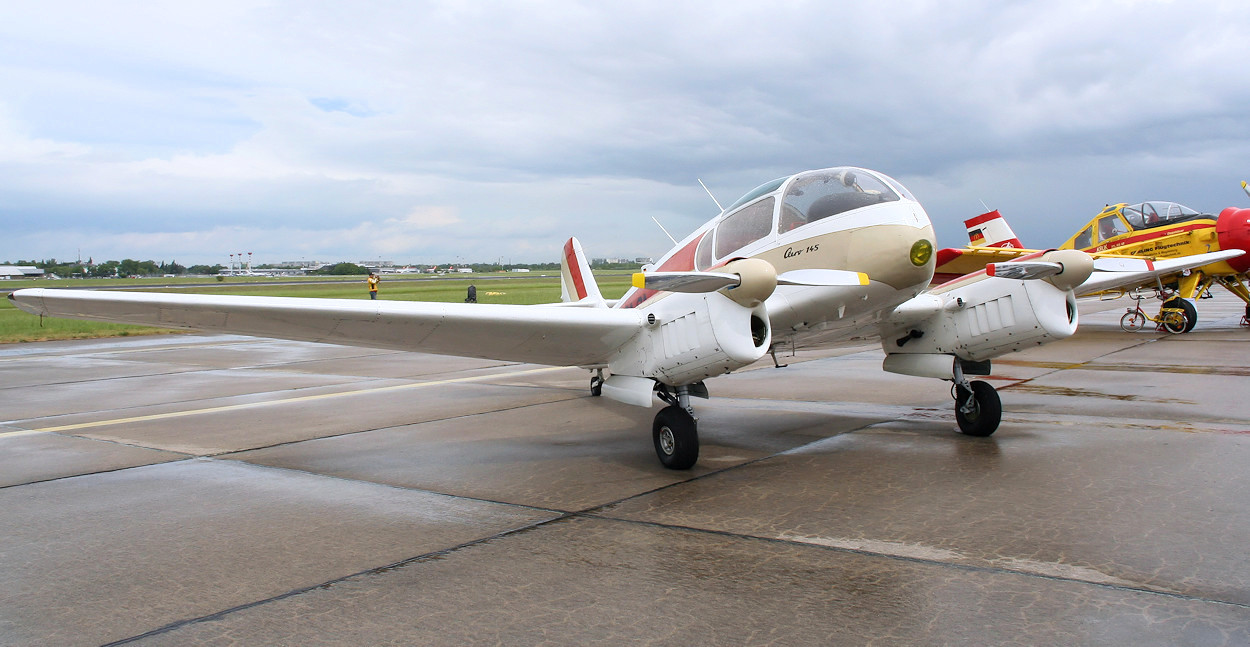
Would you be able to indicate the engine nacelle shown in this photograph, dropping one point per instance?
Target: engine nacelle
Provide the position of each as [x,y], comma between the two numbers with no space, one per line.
[693,337]
[976,322]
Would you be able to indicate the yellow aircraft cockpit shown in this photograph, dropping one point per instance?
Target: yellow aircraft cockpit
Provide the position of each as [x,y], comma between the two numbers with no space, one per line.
[1120,219]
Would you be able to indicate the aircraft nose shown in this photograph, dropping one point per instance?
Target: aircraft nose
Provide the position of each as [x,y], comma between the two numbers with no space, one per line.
[1233,229]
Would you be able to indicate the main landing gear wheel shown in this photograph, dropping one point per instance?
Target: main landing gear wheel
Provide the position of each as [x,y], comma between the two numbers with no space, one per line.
[676,437]
[978,411]
[1191,314]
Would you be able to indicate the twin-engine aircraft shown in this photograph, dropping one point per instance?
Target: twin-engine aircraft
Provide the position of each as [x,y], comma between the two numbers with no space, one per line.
[1166,233]
[803,261]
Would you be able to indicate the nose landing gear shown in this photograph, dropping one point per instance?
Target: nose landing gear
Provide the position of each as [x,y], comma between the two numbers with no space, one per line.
[978,410]
[676,430]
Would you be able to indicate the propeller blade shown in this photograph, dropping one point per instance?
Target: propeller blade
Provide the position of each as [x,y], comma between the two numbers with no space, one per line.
[694,282]
[1245,187]
[1024,270]
[1123,265]
[822,278]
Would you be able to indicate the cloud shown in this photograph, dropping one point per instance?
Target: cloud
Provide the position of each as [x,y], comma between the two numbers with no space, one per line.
[447,128]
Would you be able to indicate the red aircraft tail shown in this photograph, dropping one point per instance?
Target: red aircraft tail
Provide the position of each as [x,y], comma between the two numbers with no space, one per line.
[576,281]
[991,230]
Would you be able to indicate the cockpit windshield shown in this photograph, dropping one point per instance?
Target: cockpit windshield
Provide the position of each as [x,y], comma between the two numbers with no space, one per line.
[816,195]
[809,197]
[1157,214]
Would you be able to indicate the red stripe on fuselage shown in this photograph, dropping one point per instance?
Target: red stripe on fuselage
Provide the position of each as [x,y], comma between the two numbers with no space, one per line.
[1163,232]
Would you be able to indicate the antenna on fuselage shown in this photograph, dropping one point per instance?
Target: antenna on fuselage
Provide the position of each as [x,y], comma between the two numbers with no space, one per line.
[709,194]
[670,236]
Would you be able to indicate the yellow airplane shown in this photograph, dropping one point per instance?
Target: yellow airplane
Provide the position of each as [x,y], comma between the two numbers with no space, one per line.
[1156,231]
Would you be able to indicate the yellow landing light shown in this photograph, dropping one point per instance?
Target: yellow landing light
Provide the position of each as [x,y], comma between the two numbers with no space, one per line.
[921,252]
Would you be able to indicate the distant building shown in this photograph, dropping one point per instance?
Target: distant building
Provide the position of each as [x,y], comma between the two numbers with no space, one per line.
[20,272]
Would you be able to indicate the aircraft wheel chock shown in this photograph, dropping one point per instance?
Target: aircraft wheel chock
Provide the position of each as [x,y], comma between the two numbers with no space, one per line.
[676,438]
[1191,313]
[978,412]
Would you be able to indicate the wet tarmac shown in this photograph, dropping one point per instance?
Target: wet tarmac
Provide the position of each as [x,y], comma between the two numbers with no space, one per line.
[235,491]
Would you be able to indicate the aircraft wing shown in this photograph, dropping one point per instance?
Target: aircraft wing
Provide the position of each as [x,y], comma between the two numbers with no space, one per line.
[536,334]
[1103,281]
[954,263]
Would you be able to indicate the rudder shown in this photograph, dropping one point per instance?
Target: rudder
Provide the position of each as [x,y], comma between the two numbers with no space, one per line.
[576,281]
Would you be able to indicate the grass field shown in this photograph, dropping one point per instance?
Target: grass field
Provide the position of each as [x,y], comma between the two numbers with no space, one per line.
[17,326]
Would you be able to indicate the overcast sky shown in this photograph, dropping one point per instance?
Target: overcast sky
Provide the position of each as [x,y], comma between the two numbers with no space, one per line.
[479,131]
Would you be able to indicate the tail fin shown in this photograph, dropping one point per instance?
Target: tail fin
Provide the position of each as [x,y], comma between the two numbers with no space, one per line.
[991,230]
[576,281]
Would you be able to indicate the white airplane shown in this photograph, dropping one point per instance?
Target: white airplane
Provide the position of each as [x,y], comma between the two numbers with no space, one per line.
[813,259]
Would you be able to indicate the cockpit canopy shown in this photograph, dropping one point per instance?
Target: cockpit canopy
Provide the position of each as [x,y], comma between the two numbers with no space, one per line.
[1120,219]
[788,203]
[1153,214]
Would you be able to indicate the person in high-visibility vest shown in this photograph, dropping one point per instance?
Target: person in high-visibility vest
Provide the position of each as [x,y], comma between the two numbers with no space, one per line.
[373,285]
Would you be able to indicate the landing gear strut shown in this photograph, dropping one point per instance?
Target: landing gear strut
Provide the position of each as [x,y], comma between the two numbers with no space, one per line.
[676,431]
[977,407]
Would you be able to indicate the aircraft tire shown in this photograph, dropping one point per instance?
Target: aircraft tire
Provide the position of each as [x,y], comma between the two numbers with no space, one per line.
[1191,313]
[986,413]
[676,438]
[596,387]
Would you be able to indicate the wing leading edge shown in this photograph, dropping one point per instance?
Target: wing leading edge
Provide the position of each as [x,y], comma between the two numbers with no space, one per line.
[537,334]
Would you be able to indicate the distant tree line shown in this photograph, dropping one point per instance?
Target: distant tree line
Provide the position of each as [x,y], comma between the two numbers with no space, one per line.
[341,269]
[127,267]
[131,267]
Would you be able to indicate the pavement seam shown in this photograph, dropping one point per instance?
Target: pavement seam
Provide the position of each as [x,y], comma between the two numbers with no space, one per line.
[978,568]
[338,580]
[404,385]
[1057,369]
[226,454]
